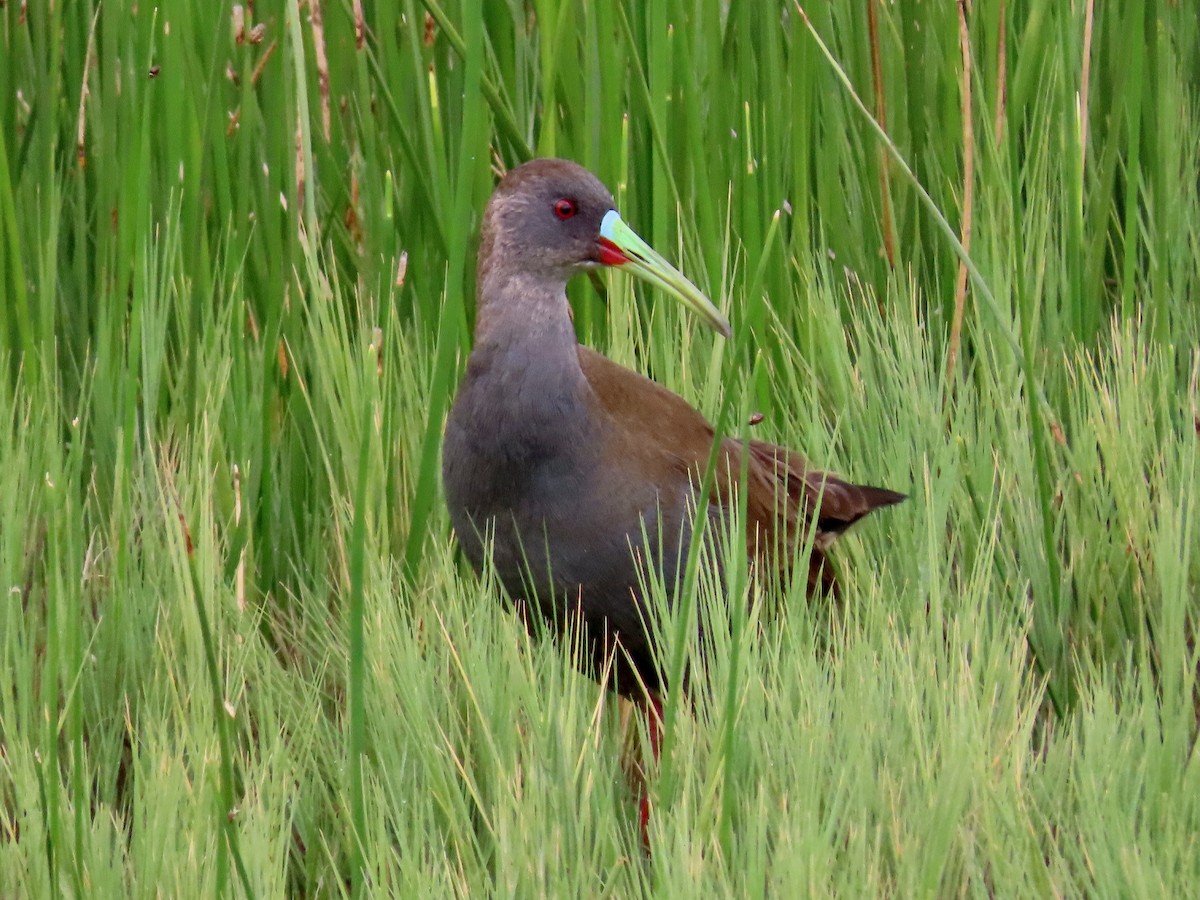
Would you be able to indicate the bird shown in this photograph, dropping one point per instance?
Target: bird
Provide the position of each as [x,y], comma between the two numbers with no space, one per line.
[571,476]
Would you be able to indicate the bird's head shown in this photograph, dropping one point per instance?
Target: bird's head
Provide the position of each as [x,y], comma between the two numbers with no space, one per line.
[552,218]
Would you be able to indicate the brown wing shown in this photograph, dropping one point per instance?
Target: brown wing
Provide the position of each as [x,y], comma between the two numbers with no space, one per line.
[802,493]
[665,438]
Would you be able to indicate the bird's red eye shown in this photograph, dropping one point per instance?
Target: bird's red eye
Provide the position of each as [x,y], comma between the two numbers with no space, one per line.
[564,209]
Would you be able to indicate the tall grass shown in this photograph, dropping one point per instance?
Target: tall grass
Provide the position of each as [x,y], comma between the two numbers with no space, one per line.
[236,258]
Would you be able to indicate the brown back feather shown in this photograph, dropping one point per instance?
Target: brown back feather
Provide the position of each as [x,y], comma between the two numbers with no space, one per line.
[668,441]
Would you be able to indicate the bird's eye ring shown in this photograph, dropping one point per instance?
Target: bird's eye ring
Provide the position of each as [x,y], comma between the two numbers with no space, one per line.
[564,209]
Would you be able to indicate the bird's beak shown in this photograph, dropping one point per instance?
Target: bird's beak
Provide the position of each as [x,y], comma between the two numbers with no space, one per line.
[620,246]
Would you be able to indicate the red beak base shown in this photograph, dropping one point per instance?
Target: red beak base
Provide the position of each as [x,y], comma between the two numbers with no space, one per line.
[610,253]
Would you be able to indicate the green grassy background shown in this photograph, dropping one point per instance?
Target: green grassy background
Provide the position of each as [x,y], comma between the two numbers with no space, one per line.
[236,270]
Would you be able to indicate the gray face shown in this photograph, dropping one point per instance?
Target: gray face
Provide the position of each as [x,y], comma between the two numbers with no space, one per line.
[544,218]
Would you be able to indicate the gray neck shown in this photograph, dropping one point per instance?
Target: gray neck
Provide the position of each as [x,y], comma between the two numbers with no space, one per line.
[530,314]
[525,364]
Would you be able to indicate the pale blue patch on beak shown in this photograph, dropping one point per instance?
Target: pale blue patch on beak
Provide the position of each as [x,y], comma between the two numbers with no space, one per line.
[608,225]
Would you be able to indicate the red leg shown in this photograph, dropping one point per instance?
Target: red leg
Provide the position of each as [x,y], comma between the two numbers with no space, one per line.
[652,707]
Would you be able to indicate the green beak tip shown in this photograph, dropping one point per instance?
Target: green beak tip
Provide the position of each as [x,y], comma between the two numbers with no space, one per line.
[645,262]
